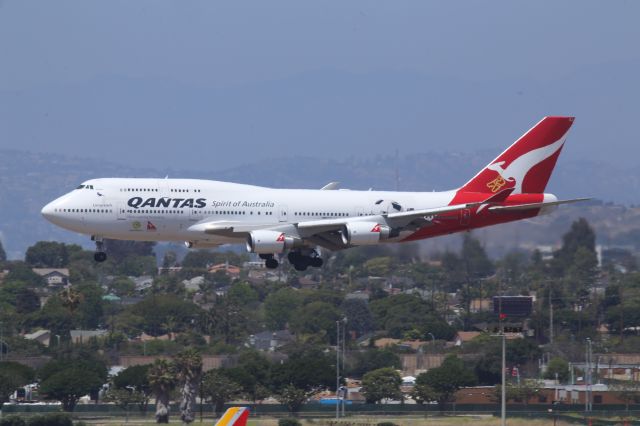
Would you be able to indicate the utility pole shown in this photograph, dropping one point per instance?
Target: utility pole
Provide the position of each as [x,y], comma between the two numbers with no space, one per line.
[503,393]
[587,393]
[337,368]
[550,317]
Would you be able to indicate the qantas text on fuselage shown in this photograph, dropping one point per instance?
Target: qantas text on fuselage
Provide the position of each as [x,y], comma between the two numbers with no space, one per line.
[271,222]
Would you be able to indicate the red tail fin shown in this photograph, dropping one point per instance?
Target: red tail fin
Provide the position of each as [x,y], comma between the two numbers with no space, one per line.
[527,164]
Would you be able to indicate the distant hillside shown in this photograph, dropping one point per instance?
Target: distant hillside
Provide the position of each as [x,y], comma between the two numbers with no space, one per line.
[28,181]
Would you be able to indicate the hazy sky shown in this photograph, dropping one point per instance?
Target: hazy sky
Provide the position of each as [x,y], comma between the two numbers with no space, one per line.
[207,84]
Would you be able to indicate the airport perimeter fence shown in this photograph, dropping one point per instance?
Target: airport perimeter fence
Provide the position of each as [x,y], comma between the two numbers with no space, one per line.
[602,415]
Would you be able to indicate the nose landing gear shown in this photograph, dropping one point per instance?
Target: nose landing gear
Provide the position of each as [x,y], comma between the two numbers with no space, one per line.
[100,255]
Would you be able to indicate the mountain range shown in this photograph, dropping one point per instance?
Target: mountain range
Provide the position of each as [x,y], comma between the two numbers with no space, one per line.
[29,180]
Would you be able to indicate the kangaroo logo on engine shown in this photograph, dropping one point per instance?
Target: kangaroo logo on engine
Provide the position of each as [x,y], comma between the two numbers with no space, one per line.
[176,203]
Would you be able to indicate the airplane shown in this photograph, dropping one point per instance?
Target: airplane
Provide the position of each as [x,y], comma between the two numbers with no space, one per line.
[299,222]
[234,416]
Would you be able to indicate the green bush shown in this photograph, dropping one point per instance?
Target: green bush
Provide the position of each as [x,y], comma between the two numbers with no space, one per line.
[386,424]
[13,421]
[55,419]
[288,422]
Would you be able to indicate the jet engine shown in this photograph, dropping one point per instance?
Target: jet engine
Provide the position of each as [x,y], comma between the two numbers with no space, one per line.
[364,233]
[268,242]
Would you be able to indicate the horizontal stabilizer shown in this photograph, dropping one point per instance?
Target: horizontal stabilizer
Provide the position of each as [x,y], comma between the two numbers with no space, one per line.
[500,196]
[531,206]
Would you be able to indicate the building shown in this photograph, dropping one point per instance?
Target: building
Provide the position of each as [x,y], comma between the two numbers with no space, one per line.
[40,336]
[83,336]
[53,277]
[270,340]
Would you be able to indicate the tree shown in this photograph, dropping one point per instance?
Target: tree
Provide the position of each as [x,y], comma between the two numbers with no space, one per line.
[372,359]
[383,383]
[120,250]
[521,393]
[557,368]
[293,397]
[47,254]
[162,378]
[220,388]
[279,307]
[125,397]
[156,309]
[316,318]
[68,385]
[188,367]
[136,377]
[27,301]
[227,317]
[12,376]
[359,316]
[628,391]
[444,381]
[252,374]
[3,254]
[308,368]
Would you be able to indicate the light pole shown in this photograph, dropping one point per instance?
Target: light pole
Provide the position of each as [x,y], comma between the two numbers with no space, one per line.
[587,393]
[337,368]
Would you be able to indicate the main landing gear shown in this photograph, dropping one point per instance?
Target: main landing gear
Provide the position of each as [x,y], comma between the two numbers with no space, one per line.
[301,261]
[269,261]
[100,255]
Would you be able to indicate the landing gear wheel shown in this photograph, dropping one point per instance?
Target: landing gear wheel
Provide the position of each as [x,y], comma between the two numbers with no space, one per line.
[316,262]
[271,263]
[300,266]
[100,256]
[293,257]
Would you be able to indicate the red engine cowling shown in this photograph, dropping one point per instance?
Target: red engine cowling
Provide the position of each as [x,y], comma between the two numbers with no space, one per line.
[364,233]
[268,242]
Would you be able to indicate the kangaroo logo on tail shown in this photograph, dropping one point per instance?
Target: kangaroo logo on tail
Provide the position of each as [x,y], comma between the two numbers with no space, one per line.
[518,169]
[527,164]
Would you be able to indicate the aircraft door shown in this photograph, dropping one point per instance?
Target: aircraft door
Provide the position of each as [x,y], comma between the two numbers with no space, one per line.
[282,214]
[465,217]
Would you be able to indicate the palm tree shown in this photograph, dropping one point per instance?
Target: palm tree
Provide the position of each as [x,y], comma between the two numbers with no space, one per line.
[162,378]
[71,298]
[188,365]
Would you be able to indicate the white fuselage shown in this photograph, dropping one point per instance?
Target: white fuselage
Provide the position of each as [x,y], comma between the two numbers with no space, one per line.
[173,209]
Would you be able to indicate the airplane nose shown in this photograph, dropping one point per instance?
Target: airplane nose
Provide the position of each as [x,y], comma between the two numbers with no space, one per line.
[48,211]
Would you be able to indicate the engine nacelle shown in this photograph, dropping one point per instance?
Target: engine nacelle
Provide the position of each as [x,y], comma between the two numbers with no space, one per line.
[268,242]
[364,233]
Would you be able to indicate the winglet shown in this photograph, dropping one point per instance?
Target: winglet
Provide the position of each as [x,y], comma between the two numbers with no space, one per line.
[331,186]
[234,416]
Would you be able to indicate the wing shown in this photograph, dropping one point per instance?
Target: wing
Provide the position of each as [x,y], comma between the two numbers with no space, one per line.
[325,232]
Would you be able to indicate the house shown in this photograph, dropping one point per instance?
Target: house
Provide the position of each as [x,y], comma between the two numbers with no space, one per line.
[54,277]
[40,336]
[83,336]
[142,282]
[270,340]
[194,284]
[481,305]
[170,270]
[231,271]
[463,337]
